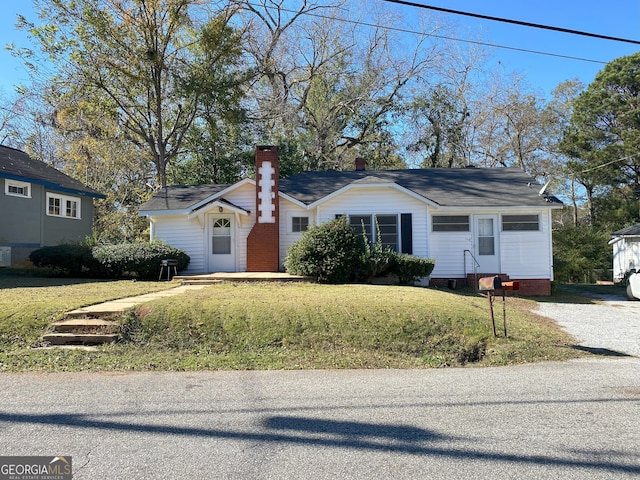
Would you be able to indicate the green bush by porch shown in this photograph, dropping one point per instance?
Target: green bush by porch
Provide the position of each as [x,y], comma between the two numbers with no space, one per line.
[334,252]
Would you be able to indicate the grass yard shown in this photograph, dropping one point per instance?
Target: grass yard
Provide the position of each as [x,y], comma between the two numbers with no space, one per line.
[276,326]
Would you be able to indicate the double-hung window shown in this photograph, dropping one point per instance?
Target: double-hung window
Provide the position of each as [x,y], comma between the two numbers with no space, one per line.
[377,228]
[63,206]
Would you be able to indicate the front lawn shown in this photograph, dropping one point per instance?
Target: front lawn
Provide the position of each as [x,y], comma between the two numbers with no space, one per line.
[29,303]
[276,326]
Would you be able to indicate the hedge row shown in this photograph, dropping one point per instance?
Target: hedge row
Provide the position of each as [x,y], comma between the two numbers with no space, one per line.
[137,260]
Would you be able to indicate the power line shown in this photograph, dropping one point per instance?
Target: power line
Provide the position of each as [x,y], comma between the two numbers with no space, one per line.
[607,164]
[441,37]
[515,22]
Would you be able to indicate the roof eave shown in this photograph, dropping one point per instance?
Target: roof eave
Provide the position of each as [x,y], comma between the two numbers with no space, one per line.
[221,193]
[163,213]
[497,207]
[294,201]
[54,186]
[218,204]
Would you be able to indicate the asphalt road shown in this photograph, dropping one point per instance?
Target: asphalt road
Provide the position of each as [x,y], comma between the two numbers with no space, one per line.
[574,420]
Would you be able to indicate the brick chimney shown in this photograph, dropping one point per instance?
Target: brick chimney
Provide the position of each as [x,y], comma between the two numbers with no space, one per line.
[263,242]
[360,164]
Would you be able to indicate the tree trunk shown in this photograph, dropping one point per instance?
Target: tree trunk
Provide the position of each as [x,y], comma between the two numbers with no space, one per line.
[574,202]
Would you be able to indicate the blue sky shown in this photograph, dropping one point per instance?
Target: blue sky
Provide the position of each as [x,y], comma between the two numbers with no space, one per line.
[545,72]
[542,72]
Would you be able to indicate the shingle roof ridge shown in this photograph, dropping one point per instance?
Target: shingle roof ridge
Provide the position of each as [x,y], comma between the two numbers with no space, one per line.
[630,230]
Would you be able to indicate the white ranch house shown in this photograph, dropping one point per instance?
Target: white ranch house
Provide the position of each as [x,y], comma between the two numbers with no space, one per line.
[473,221]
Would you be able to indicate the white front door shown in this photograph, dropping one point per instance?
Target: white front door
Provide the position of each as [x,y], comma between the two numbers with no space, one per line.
[487,245]
[221,243]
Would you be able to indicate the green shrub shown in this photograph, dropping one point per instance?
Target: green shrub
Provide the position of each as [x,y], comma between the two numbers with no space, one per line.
[70,259]
[334,253]
[410,269]
[379,261]
[141,260]
[331,252]
[375,260]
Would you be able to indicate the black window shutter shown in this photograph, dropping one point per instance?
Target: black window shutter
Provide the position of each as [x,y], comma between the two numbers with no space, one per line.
[406,231]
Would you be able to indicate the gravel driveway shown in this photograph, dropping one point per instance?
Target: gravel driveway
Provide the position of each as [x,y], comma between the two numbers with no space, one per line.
[610,323]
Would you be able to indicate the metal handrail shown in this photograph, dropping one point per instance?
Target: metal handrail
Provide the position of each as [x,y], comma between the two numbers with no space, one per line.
[475,265]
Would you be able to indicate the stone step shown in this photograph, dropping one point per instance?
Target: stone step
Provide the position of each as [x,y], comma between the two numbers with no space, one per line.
[79,338]
[85,325]
[93,312]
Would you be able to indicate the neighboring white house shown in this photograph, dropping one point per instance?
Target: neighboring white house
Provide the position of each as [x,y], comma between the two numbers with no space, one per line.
[626,251]
[473,221]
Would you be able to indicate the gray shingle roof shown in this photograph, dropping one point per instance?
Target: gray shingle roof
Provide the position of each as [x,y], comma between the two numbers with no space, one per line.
[181,197]
[457,187]
[633,230]
[17,165]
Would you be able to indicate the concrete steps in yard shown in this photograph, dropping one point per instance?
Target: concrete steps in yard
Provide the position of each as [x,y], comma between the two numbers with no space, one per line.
[83,331]
[98,324]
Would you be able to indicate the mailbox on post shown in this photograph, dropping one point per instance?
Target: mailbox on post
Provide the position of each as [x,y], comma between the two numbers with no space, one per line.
[489,285]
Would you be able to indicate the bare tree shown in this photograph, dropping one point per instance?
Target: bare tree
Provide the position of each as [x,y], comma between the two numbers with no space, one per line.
[512,128]
[327,79]
[441,118]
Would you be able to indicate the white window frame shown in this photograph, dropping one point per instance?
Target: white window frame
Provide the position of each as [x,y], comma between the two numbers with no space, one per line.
[221,230]
[17,184]
[291,216]
[462,223]
[525,220]
[64,201]
[372,235]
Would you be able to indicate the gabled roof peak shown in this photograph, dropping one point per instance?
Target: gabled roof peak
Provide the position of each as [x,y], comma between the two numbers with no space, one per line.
[371,179]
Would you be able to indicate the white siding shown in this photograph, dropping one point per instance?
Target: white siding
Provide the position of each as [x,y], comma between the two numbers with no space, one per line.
[383,200]
[287,237]
[244,197]
[448,250]
[523,254]
[626,256]
[527,254]
[187,235]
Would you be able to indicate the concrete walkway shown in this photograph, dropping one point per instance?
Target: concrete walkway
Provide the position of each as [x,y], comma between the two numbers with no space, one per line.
[122,304]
